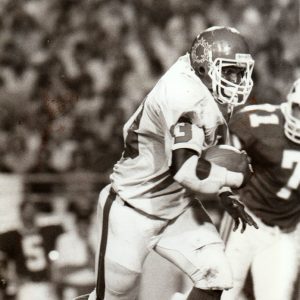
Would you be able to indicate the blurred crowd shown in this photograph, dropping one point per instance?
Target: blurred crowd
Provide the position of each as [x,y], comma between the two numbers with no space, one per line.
[73,71]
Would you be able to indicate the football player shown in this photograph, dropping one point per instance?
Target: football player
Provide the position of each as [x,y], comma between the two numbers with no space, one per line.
[28,247]
[271,136]
[152,188]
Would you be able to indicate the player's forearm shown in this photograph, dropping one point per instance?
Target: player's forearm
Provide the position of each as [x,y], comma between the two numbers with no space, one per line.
[216,179]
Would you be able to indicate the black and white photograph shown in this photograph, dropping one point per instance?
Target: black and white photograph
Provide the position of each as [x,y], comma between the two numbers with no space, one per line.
[150,150]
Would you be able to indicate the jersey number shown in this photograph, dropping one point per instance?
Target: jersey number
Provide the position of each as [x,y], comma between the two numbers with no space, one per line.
[290,160]
[34,253]
[182,133]
[132,141]
[257,120]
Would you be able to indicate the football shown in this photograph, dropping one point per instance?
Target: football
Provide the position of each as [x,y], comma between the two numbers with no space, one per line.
[228,157]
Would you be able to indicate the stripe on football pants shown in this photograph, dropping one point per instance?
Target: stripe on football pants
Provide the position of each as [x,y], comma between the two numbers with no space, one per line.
[100,285]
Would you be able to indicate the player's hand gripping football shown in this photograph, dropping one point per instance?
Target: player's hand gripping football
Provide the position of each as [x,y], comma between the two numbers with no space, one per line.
[236,210]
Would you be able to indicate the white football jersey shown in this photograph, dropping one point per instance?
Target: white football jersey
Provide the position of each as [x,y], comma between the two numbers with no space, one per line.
[179,112]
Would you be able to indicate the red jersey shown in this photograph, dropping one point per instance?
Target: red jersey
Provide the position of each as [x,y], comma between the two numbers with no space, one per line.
[273,192]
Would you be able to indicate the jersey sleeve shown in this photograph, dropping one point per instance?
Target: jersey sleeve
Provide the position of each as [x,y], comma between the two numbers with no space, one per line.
[180,98]
[188,136]
[182,108]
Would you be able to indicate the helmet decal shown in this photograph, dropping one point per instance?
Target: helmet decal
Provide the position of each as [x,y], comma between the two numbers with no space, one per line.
[206,56]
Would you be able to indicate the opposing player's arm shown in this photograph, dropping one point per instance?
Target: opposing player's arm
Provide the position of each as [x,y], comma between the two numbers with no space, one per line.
[192,170]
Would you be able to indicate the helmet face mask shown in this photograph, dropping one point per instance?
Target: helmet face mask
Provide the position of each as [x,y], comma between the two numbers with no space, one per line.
[229,92]
[292,114]
[215,49]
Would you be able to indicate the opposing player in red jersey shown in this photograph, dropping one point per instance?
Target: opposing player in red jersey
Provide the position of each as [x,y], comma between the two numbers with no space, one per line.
[154,183]
[28,248]
[271,136]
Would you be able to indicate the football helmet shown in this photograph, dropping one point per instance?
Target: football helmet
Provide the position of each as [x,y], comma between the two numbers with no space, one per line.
[215,49]
[292,113]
